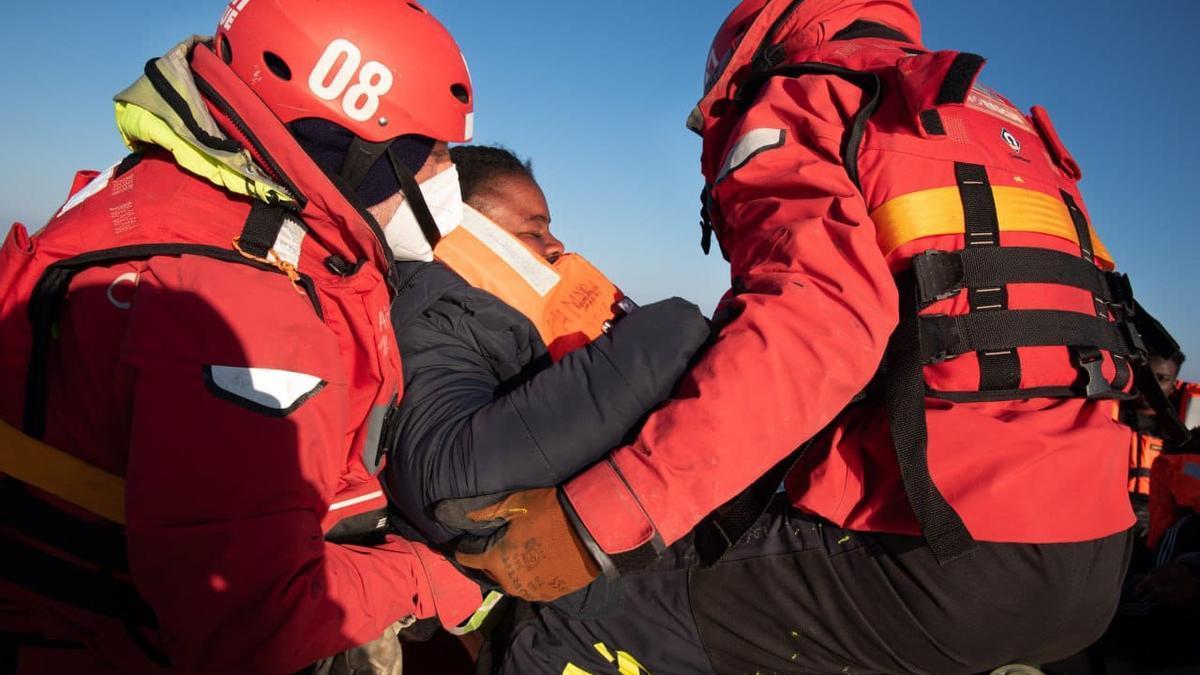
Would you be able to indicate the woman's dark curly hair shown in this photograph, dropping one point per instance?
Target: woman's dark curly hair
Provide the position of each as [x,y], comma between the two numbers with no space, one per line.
[479,164]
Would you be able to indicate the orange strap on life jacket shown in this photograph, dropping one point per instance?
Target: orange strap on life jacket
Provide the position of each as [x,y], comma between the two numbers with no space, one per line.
[62,475]
[570,301]
[1143,450]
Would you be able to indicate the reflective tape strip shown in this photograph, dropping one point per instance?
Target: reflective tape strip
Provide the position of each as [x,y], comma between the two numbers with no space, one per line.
[489,603]
[533,270]
[95,185]
[750,145]
[270,388]
[62,475]
[356,500]
[939,211]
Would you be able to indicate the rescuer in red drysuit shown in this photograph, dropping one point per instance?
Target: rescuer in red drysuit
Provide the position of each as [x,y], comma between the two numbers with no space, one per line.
[209,319]
[917,286]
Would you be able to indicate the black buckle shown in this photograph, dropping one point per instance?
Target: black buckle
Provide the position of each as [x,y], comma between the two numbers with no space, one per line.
[1090,362]
[1120,293]
[939,275]
[1138,352]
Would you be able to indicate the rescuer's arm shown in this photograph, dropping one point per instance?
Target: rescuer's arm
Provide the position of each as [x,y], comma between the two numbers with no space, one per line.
[225,494]
[812,307]
[462,433]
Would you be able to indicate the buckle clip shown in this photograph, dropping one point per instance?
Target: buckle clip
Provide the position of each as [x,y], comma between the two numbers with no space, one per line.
[939,275]
[1122,293]
[1090,362]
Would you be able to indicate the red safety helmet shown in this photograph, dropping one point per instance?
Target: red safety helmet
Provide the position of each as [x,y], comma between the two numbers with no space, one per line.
[728,37]
[379,68]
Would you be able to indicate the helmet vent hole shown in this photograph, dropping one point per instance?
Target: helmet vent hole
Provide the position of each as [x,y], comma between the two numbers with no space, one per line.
[460,92]
[418,8]
[224,49]
[277,66]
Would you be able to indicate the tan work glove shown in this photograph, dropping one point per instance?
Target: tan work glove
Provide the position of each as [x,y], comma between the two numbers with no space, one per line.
[536,554]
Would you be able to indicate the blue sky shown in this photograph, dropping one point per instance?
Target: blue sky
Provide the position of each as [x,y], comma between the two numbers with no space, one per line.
[596,95]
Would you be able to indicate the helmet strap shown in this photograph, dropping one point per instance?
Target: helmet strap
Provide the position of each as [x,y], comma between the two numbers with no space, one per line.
[360,157]
[416,199]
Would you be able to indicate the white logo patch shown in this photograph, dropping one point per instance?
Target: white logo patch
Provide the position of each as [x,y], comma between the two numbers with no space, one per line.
[1011,140]
[266,389]
[749,146]
[126,278]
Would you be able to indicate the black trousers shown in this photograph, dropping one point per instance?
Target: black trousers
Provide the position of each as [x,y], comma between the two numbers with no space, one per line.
[802,596]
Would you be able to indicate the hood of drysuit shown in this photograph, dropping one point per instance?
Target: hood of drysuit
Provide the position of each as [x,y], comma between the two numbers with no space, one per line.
[145,117]
[794,25]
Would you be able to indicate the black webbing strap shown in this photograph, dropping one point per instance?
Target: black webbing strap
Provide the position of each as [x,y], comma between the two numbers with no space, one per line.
[416,201]
[861,28]
[941,274]
[904,382]
[1153,338]
[724,529]
[943,336]
[999,369]
[1084,234]
[261,230]
[360,157]
[959,78]
[869,82]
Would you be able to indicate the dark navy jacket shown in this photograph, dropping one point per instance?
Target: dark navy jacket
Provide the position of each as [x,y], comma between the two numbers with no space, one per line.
[485,411]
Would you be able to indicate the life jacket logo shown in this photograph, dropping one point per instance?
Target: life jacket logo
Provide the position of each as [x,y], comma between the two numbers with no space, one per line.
[1011,140]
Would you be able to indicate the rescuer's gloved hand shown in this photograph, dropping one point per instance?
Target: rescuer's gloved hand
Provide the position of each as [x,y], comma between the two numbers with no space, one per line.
[536,553]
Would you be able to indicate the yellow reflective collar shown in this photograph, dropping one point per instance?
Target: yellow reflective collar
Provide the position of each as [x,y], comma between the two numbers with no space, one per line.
[139,126]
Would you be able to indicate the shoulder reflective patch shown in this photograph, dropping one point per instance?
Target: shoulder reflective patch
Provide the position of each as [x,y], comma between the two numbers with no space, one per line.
[264,390]
[95,185]
[752,144]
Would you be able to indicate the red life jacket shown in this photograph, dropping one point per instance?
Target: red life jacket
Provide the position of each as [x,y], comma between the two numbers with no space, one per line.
[286,359]
[1013,326]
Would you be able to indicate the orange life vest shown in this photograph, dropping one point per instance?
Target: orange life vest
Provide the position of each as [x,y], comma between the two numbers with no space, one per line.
[1176,481]
[569,301]
[1144,448]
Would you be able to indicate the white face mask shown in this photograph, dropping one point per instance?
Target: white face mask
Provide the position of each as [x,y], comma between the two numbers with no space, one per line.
[444,198]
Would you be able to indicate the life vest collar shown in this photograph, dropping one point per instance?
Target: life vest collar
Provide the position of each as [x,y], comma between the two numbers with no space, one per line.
[145,117]
[169,107]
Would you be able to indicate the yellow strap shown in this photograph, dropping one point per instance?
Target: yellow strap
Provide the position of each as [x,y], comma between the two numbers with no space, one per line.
[64,476]
[939,211]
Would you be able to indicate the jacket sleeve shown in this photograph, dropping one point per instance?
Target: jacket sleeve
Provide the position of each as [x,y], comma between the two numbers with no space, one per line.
[811,310]
[230,472]
[463,433]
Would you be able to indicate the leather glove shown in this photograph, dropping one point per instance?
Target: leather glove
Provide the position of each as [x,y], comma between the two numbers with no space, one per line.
[536,553]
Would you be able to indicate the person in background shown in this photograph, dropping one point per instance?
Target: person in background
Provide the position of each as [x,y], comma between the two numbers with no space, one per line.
[1146,444]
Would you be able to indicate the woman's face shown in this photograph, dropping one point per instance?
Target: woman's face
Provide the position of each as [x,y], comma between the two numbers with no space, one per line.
[517,204]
